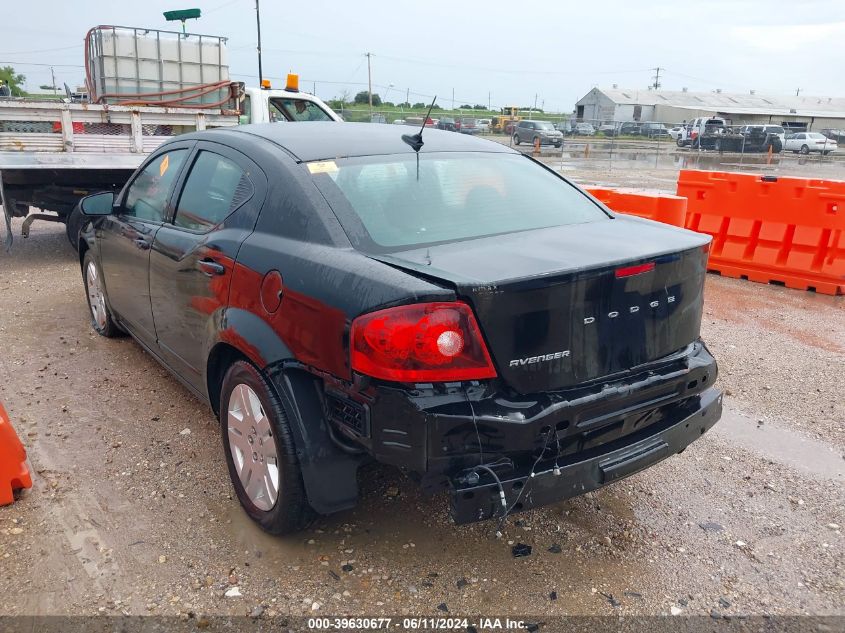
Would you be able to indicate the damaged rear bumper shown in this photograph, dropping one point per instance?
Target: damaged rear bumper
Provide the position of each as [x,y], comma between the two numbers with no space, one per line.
[555,480]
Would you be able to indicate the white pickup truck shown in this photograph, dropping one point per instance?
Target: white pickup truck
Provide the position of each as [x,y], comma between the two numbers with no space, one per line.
[53,153]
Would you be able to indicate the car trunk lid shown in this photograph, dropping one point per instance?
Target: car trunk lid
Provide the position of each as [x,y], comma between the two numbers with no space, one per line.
[570,304]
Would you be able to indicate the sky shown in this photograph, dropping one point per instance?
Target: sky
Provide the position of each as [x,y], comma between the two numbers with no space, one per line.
[501,51]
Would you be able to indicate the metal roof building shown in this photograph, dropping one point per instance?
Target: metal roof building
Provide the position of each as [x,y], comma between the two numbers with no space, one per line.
[605,105]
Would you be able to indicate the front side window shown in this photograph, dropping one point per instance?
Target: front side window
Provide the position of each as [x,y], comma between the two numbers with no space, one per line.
[215,187]
[385,204]
[148,193]
[294,109]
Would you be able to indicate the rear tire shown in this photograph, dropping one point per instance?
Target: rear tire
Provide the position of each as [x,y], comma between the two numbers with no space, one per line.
[516,140]
[260,452]
[680,142]
[805,150]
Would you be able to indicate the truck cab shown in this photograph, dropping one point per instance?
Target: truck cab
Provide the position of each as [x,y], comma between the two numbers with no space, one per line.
[268,105]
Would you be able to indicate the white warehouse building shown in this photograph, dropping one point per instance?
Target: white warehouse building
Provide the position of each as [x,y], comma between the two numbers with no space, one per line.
[608,105]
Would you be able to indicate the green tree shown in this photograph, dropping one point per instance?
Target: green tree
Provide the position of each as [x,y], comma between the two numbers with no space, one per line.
[466,106]
[14,80]
[404,104]
[364,97]
[420,104]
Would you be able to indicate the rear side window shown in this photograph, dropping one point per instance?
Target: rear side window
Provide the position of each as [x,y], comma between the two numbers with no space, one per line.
[215,187]
[385,204]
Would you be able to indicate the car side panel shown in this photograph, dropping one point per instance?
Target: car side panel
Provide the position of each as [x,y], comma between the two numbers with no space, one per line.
[185,298]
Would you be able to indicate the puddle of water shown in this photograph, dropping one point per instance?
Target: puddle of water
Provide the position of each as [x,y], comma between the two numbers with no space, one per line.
[782,445]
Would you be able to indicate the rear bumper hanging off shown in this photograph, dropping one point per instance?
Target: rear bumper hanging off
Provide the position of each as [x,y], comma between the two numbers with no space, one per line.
[555,480]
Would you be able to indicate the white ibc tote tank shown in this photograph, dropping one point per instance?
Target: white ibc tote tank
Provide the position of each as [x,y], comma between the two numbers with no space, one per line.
[125,62]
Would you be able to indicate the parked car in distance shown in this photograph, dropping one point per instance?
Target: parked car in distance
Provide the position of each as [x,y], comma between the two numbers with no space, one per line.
[529,131]
[326,290]
[484,125]
[698,127]
[447,123]
[653,130]
[584,129]
[766,129]
[607,129]
[399,122]
[835,134]
[676,131]
[806,142]
[763,138]
[467,125]
[417,121]
[626,128]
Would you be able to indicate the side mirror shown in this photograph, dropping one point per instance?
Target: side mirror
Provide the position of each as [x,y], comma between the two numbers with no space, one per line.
[98,203]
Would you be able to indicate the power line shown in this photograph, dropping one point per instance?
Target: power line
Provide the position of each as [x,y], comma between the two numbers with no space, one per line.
[43,50]
[47,65]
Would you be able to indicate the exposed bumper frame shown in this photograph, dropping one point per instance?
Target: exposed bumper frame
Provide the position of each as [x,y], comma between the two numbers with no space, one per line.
[554,482]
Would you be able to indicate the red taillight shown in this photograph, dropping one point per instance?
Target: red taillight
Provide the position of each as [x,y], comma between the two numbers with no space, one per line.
[423,342]
[628,271]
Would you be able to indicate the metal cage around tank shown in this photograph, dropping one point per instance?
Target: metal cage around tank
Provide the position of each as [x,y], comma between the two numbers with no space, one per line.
[148,66]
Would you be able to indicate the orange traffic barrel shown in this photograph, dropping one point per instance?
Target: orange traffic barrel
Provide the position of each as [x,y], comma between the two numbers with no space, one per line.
[14,474]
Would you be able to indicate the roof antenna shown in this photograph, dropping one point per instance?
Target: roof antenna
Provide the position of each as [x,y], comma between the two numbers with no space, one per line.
[415,141]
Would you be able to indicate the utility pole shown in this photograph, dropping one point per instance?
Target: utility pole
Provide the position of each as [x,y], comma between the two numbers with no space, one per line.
[535,101]
[453,98]
[314,91]
[53,75]
[488,100]
[370,82]
[258,25]
[656,77]
[408,97]
[797,91]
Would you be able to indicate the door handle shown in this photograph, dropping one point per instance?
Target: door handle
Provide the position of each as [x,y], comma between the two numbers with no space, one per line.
[211,267]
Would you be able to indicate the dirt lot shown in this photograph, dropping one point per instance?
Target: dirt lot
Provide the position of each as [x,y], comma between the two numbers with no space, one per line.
[132,511]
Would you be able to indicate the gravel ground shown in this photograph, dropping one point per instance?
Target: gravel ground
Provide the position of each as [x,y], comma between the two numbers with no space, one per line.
[132,510]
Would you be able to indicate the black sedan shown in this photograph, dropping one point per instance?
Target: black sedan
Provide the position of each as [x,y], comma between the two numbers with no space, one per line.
[339,294]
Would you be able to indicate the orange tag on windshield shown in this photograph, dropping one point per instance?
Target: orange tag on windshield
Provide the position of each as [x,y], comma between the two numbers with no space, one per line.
[164,165]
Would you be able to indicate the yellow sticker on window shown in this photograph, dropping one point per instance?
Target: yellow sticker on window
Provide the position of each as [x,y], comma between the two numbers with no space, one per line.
[164,165]
[323,167]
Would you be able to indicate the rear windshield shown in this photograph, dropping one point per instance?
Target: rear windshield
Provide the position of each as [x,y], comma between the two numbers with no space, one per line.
[385,205]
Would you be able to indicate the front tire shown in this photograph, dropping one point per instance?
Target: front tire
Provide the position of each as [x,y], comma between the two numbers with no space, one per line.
[805,150]
[101,319]
[73,224]
[516,140]
[260,452]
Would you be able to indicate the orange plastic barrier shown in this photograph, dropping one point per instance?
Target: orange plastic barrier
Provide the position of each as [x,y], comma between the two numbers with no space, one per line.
[14,474]
[768,229]
[661,207]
